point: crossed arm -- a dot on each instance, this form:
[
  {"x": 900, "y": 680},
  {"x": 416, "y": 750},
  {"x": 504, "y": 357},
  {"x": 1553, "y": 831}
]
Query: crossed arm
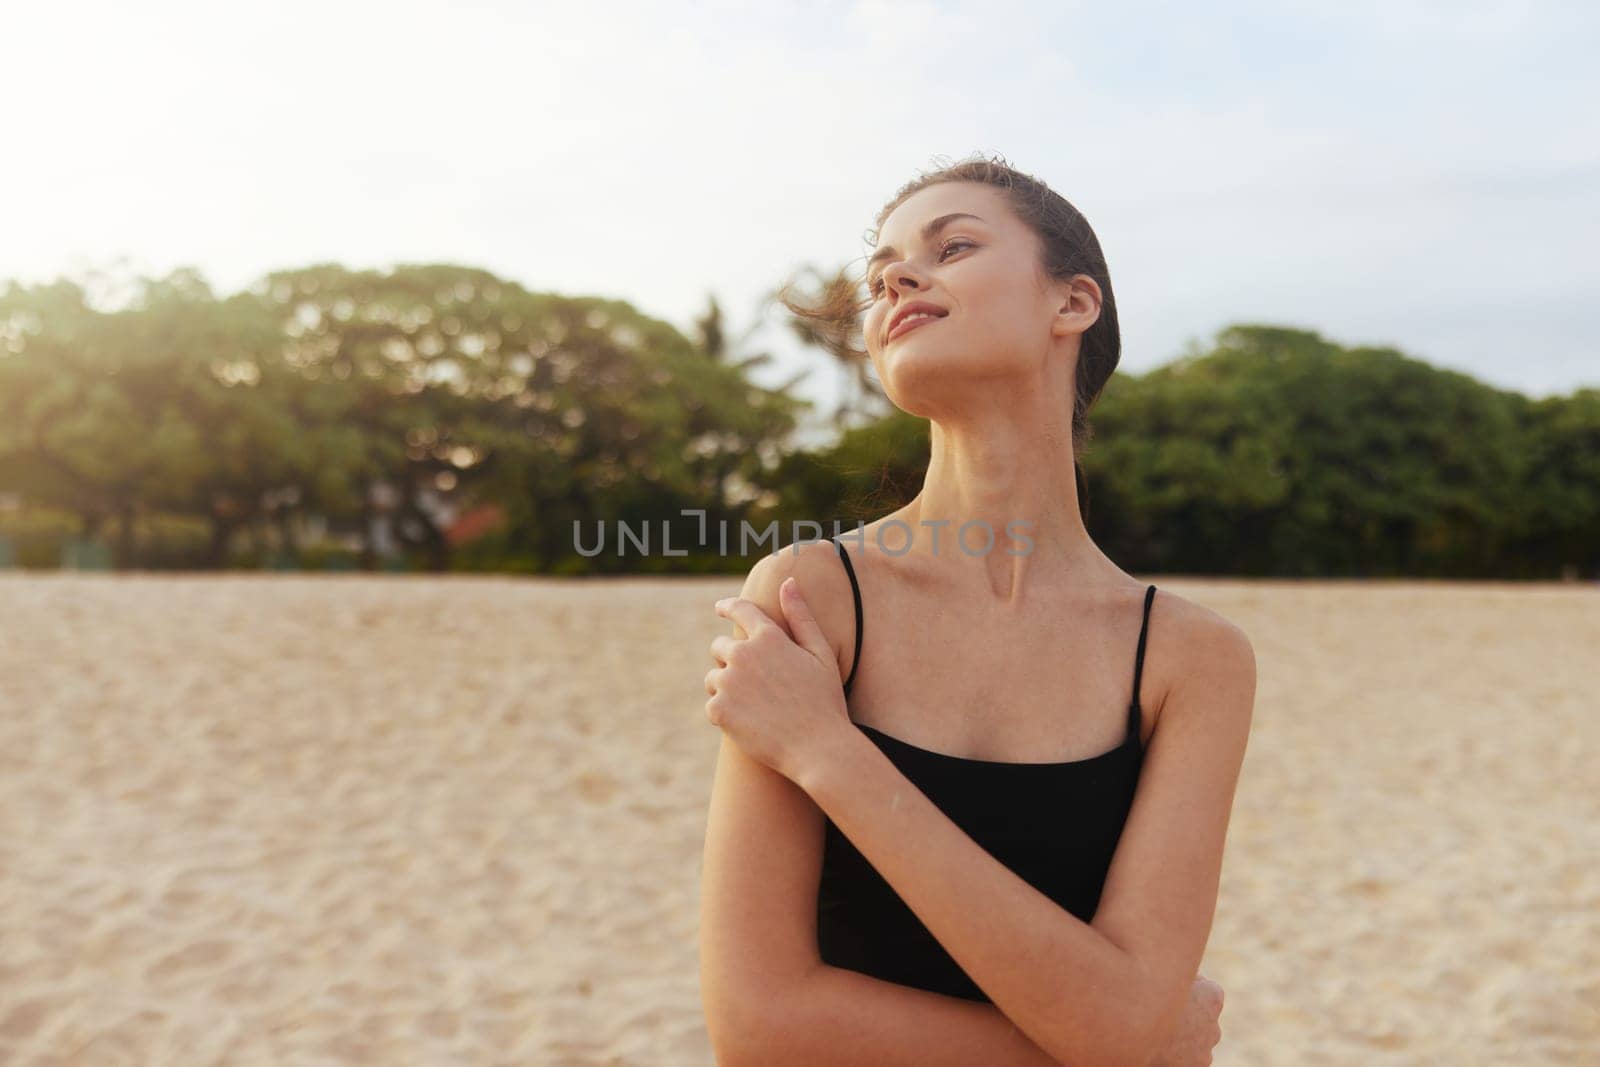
[
  {"x": 768, "y": 996},
  {"x": 1064, "y": 991}
]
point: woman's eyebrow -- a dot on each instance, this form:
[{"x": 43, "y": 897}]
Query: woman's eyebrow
[{"x": 928, "y": 233}]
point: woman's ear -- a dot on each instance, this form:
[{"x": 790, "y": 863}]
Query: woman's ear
[{"x": 1079, "y": 306}]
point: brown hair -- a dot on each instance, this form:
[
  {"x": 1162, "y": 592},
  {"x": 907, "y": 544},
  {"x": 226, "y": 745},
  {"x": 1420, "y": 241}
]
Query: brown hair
[{"x": 1068, "y": 246}]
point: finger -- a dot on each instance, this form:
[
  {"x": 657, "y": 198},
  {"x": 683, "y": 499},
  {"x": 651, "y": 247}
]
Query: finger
[
  {"x": 721, "y": 646},
  {"x": 802, "y": 623},
  {"x": 711, "y": 681},
  {"x": 747, "y": 613}
]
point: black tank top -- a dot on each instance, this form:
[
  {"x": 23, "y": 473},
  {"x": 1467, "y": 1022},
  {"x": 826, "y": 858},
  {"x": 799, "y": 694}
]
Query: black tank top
[{"x": 1055, "y": 824}]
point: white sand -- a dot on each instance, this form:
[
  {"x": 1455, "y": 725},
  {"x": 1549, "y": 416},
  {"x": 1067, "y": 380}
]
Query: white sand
[{"x": 397, "y": 820}]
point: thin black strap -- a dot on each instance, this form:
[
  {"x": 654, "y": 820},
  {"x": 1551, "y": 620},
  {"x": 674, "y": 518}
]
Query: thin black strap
[
  {"x": 855, "y": 588},
  {"x": 1138, "y": 663}
]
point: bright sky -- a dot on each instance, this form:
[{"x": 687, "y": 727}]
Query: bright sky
[{"x": 1384, "y": 171}]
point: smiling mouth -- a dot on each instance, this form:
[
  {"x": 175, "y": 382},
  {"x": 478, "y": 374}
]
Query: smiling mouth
[{"x": 903, "y": 328}]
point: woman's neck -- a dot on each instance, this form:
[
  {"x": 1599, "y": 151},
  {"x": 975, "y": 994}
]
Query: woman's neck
[{"x": 1012, "y": 478}]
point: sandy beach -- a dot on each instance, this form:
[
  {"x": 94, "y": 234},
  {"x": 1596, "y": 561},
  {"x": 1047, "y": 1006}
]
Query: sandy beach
[{"x": 358, "y": 819}]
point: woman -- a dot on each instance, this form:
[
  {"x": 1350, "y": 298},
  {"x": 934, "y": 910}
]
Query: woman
[{"x": 959, "y": 815}]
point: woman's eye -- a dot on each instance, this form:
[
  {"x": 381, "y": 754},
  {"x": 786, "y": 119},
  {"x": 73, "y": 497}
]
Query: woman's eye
[{"x": 875, "y": 286}]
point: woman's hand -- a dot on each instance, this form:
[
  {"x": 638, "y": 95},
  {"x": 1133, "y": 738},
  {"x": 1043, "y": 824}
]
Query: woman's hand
[
  {"x": 781, "y": 700},
  {"x": 1198, "y": 1029}
]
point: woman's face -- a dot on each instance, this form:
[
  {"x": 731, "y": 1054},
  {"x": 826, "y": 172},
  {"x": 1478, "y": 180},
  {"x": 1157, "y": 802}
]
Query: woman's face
[{"x": 1001, "y": 320}]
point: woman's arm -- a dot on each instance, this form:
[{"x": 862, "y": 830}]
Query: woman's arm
[
  {"x": 768, "y": 997},
  {"x": 838, "y": 1017},
  {"x": 847, "y": 1019},
  {"x": 1106, "y": 992}
]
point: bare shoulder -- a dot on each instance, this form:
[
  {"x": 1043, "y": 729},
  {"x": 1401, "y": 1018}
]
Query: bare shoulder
[
  {"x": 1198, "y": 648},
  {"x": 816, "y": 567}
]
